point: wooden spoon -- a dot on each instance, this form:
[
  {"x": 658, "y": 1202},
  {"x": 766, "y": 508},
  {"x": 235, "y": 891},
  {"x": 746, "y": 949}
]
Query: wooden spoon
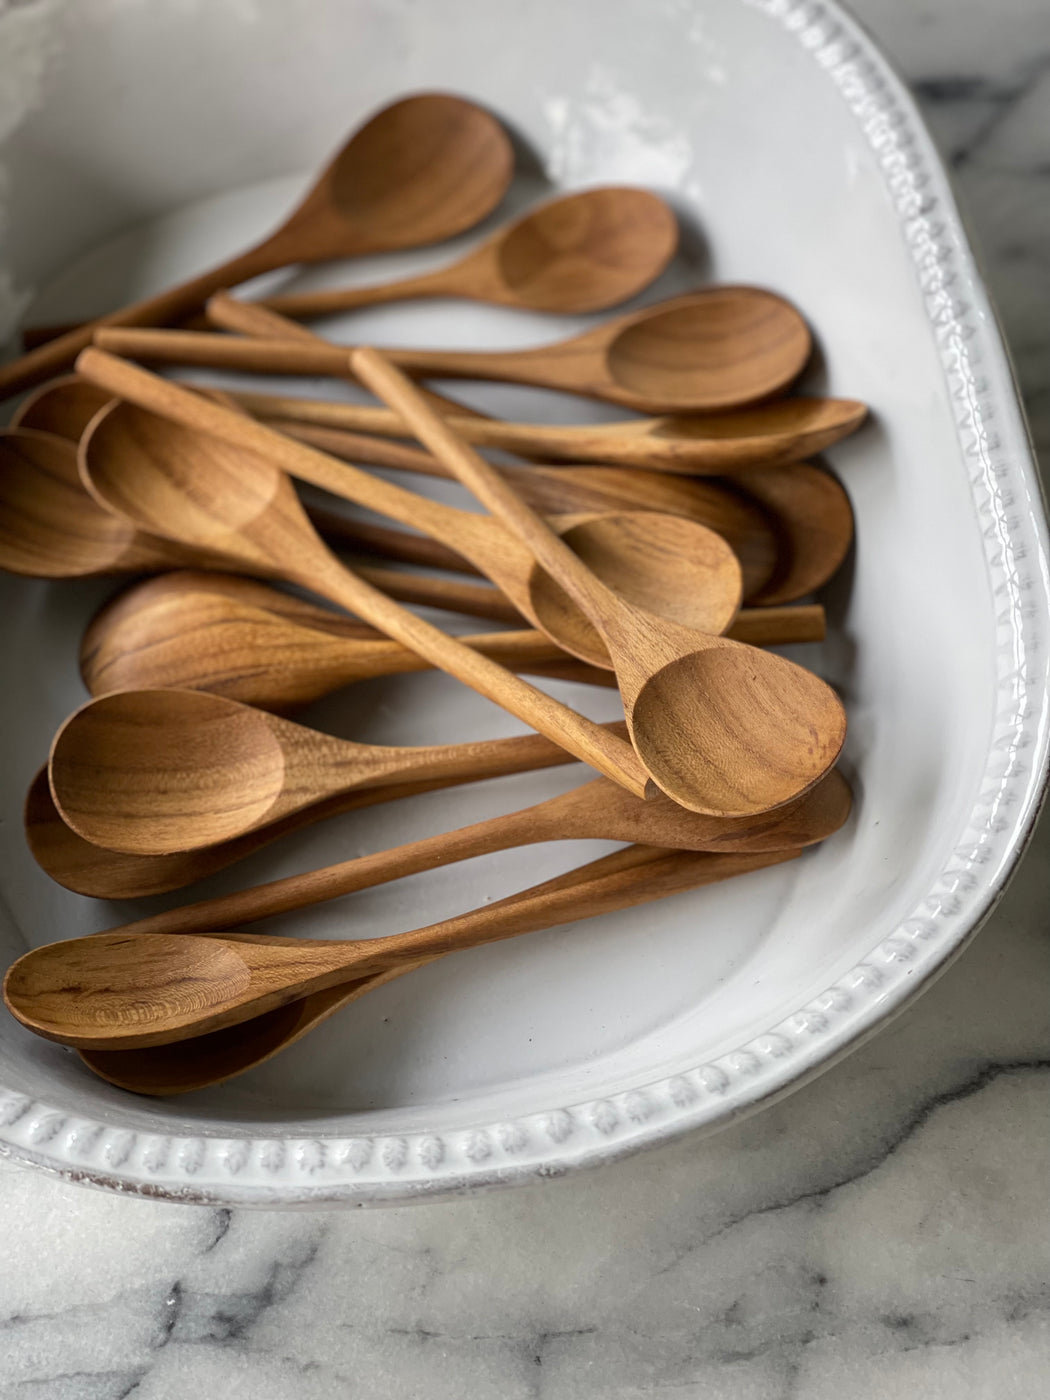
[
  {"x": 242, "y": 505},
  {"x": 153, "y": 772},
  {"x": 584, "y": 251},
  {"x": 50, "y": 527},
  {"x": 705, "y": 351},
  {"x": 672, "y": 565},
  {"x": 596, "y": 811},
  {"x": 746, "y": 527},
  {"x": 788, "y": 430},
  {"x": 722, "y": 728},
  {"x": 115, "y": 991},
  {"x": 63, "y": 406},
  {"x": 626, "y": 878},
  {"x": 91, "y": 870},
  {"x": 815, "y": 520},
  {"x": 234, "y": 637},
  {"x": 418, "y": 171},
  {"x": 261, "y": 647},
  {"x": 710, "y": 349}
]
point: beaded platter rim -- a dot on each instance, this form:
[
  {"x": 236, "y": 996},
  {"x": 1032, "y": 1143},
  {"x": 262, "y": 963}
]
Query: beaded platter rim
[{"x": 395, "y": 1168}]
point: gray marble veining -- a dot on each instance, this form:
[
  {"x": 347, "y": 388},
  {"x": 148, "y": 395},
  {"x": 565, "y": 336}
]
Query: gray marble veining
[{"x": 882, "y": 1233}]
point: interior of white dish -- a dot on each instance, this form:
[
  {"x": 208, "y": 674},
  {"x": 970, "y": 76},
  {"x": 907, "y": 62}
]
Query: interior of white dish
[{"x": 719, "y": 109}]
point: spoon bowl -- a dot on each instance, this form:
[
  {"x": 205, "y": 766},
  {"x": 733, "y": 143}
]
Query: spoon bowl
[
  {"x": 770, "y": 729},
  {"x": 134, "y": 464},
  {"x": 63, "y": 406},
  {"x": 50, "y": 527},
  {"x": 709, "y": 350}
]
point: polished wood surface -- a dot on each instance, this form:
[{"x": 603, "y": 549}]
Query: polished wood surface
[
  {"x": 229, "y": 493},
  {"x": 114, "y": 991},
  {"x": 721, "y": 727}
]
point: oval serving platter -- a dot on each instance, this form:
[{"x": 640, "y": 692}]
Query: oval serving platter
[{"x": 797, "y": 161}]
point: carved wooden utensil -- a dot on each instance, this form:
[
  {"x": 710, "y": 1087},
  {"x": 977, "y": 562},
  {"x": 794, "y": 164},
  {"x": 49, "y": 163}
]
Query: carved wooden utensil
[
  {"x": 671, "y": 565},
  {"x": 418, "y": 171},
  {"x": 721, "y": 727},
  {"x": 235, "y": 637},
  {"x": 50, "y": 527},
  {"x": 92, "y": 870},
  {"x": 241, "y": 504},
  {"x": 153, "y": 772},
  {"x": 710, "y": 444},
  {"x": 584, "y": 251},
  {"x": 121, "y": 991},
  {"x": 705, "y": 351},
  {"x": 560, "y": 490}
]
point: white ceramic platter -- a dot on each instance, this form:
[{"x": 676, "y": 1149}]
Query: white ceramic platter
[{"x": 797, "y": 161}]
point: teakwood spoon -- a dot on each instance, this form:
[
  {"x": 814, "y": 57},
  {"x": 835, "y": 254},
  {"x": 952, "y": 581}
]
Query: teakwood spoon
[
  {"x": 419, "y": 171},
  {"x": 668, "y": 563},
  {"x": 556, "y": 490},
  {"x": 92, "y": 870},
  {"x": 116, "y": 991},
  {"x": 50, "y": 527},
  {"x": 706, "y": 350},
  {"x": 721, "y": 727},
  {"x": 240, "y": 503},
  {"x": 714, "y": 444},
  {"x": 234, "y": 637},
  {"x": 154, "y": 772},
  {"x": 581, "y": 252},
  {"x": 596, "y": 811},
  {"x": 624, "y": 879}
]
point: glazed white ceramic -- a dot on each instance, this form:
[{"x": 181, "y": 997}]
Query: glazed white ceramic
[{"x": 798, "y": 162}]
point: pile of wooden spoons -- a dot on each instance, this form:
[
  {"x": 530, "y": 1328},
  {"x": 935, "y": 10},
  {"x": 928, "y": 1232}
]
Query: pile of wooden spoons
[{"x": 614, "y": 555}]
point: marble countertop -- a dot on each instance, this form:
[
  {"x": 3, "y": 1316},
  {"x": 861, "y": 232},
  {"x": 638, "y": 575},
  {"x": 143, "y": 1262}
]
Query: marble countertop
[{"x": 880, "y": 1233}]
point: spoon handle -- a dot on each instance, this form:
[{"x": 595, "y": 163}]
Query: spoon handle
[
  {"x": 485, "y": 481},
  {"x": 332, "y": 300},
  {"x": 542, "y": 822},
  {"x": 643, "y": 878},
  {"x": 323, "y": 573},
  {"x": 58, "y": 354},
  {"x": 626, "y": 878}
]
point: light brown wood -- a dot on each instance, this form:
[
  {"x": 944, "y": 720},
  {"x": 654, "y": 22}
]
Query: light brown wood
[
  {"x": 91, "y": 870},
  {"x": 815, "y": 519},
  {"x": 242, "y": 505},
  {"x": 672, "y": 565},
  {"x": 714, "y": 444},
  {"x": 261, "y": 647},
  {"x": 584, "y": 251},
  {"x": 115, "y": 991},
  {"x": 418, "y": 171},
  {"x": 51, "y": 528},
  {"x": 596, "y": 811},
  {"x": 707, "y": 351},
  {"x": 63, "y": 406},
  {"x": 721, "y": 727},
  {"x": 747, "y": 528},
  {"x": 636, "y": 874},
  {"x": 232, "y": 636},
  {"x": 711, "y": 349},
  {"x": 154, "y": 772}
]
